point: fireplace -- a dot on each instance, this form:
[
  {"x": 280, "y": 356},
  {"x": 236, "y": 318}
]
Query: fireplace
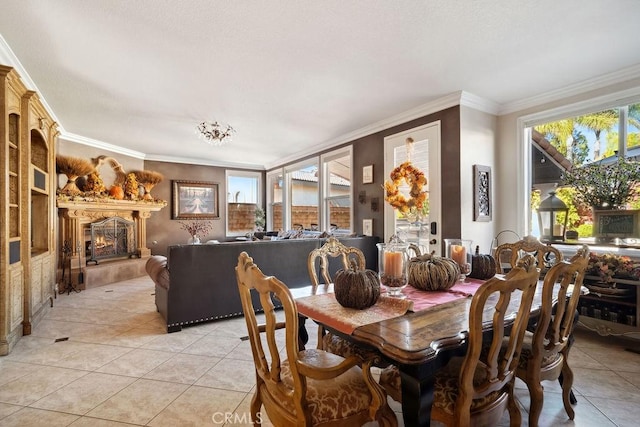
[
  {"x": 76, "y": 217},
  {"x": 113, "y": 237}
]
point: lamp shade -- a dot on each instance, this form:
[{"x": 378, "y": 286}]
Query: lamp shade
[{"x": 552, "y": 218}]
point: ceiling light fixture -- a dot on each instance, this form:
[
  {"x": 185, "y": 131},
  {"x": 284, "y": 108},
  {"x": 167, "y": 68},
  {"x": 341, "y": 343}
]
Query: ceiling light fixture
[{"x": 215, "y": 133}]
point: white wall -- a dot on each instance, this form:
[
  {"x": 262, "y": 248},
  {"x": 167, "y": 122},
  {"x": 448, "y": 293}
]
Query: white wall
[{"x": 477, "y": 147}]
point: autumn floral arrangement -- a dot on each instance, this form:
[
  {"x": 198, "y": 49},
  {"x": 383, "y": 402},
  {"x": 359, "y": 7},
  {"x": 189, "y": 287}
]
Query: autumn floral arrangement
[
  {"x": 416, "y": 181},
  {"x": 610, "y": 266},
  {"x": 196, "y": 227}
]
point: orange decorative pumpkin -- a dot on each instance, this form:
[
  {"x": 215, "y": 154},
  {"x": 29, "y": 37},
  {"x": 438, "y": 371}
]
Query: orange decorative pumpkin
[{"x": 116, "y": 192}]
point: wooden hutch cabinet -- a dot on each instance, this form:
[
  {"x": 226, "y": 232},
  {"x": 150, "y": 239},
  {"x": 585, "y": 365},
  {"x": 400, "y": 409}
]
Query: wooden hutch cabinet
[
  {"x": 609, "y": 308},
  {"x": 27, "y": 215},
  {"x": 612, "y": 308}
]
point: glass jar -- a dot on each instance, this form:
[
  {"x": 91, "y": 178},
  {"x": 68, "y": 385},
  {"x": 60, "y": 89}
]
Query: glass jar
[
  {"x": 393, "y": 262},
  {"x": 460, "y": 251}
]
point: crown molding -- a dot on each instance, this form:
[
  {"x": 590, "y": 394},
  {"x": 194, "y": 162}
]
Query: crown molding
[
  {"x": 79, "y": 139},
  {"x": 457, "y": 98},
  {"x": 9, "y": 58},
  {"x": 609, "y": 100},
  {"x": 202, "y": 162},
  {"x": 478, "y": 103},
  {"x": 595, "y": 83}
]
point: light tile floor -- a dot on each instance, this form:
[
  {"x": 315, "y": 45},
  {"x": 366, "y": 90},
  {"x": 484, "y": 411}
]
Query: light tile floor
[{"x": 119, "y": 367}]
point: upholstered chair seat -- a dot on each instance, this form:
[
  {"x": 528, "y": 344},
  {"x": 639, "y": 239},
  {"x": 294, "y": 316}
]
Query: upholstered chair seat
[
  {"x": 341, "y": 398},
  {"x": 446, "y": 388},
  {"x": 527, "y": 353},
  {"x": 391, "y": 381}
]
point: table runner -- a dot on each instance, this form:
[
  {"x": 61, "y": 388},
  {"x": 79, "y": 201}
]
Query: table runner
[
  {"x": 326, "y": 310},
  {"x": 423, "y": 300}
]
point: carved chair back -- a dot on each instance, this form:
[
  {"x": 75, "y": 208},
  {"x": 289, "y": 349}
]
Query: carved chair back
[
  {"x": 545, "y": 254},
  {"x": 319, "y": 258}
]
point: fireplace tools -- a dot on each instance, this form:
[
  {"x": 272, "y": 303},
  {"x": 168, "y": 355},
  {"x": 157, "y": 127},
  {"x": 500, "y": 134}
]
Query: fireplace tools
[
  {"x": 66, "y": 260},
  {"x": 80, "y": 273}
]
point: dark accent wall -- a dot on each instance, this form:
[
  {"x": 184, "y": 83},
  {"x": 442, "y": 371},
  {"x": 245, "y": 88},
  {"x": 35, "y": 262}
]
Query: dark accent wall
[{"x": 369, "y": 150}]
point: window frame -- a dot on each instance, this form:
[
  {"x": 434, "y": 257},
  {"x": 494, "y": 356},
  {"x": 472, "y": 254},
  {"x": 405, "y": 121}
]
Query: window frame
[
  {"x": 523, "y": 129},
  {"x": 325, "y": 197},
  {"x": 270, "y": 176},
  {"x": 287, "y": 196},
  {"x": 323, "y": 189},
  {"x": 259, "y": 189}
]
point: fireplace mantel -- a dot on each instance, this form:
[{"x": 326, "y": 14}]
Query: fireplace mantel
[
  {"x": 75, "y": 215},
  {"x": 111, "y": 204}
]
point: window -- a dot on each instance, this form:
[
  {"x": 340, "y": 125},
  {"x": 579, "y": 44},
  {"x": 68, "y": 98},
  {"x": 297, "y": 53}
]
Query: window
[
  {"x": 275, "y": 194},
  {"x": 315, "y": 194},
  {"x": 337, "y": 191},
  {"x": 243, "y": 198},
  {"x": 633, "y": 127},
  {"x": 595, "y": 137},
  {"x": 303, "y": 191}
]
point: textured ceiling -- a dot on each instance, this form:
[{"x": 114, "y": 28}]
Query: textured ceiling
[{"x": 296, "y": 76}]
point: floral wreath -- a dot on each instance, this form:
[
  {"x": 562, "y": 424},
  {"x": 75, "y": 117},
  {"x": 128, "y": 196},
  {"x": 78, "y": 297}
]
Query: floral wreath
[{"x": 416, "y": 180}]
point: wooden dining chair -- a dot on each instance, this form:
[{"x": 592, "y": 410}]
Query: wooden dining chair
[
  {"x": 546, "y": 254},
  {"x": 478, "y": 388},
  {"x": 545, "y": 352},
  {"x": 309, "y": 387},
  {"x": 318, "y": 264}
]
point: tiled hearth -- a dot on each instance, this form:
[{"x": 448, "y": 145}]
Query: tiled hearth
[
  {"x": 110, "y": 271},
  {"x": 118, "y": 367}
]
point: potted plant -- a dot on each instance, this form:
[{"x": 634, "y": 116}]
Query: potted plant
[
  {"x": 195, "y": 228},
  {"x": 605, "y": 185}
]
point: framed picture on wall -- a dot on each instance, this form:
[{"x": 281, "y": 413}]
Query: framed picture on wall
[
  {"x": 482, "y": 193},
  {"x": 367, "y": 227},
  {"x": 367, "y": 174},
  {"x": 195, "y": 200}
]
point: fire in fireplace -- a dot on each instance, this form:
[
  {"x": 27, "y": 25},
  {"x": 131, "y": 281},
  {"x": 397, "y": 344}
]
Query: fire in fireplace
[{"x": 112, "y": 238}]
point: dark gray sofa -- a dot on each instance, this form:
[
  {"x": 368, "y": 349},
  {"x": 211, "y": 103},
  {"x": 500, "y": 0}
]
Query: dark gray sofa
[{"x": 197, "y": 283}]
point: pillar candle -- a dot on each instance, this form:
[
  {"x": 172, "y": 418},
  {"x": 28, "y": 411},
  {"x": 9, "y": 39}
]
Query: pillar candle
[
  {"x": 459, "y": 254},
  {"x": 557, "y": 229},
  {"x": 393, "y": 264}
]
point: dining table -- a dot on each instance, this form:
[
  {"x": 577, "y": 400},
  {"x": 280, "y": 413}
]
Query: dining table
[{"x": 419, "y": 332}]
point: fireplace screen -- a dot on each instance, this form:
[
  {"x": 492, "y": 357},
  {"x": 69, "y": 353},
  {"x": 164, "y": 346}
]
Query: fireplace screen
[{"x": 112, "y": 238}]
